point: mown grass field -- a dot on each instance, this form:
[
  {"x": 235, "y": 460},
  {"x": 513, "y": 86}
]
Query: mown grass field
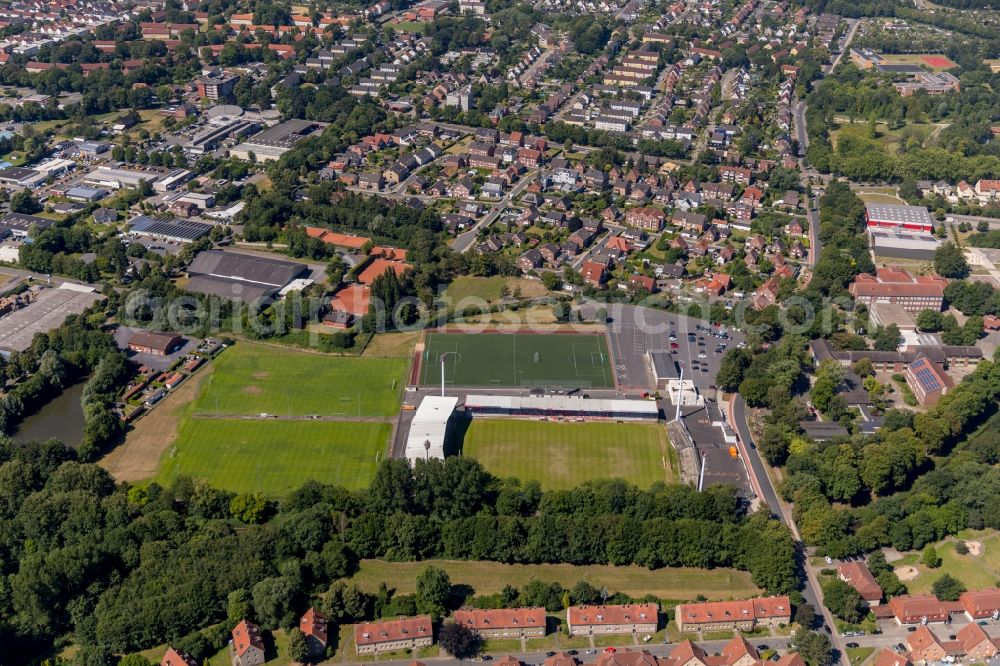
[
  {"x": 490, "y": 289},
  {"x": 564, "y": 455},
  {"x": 274, "y": 457},
  {"x": 679, "y": 583},
  {"x": 252, "y": 379},
  {"x": 975, "y": 571}
]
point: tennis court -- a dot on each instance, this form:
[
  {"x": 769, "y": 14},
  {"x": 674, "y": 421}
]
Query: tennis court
[{"x": 555, "y": 360}]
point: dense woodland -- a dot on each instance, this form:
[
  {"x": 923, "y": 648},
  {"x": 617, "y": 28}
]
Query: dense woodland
[{"x": 116, "y": 568}]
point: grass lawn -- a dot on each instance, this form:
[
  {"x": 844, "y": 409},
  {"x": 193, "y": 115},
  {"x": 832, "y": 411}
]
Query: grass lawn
[
  {"x": 251, "y": 379},
  {"x": 490, "y": 289},
  {"x": 975, "y": 571},
  {"x": 678, "y": 584},
  {"x": 890, "y": 139},
  {"x": 410, "y": 26},
  {"x": 563, "y": 455},
  {"x": 276, "y": 645},
  {"x": 875, "y": 198},
  {"x": 858, "y": 655},
  {"x": 275, "y": 457},
  {"x": 518, "y": 359},
  {"x": 392, "y": 345}
]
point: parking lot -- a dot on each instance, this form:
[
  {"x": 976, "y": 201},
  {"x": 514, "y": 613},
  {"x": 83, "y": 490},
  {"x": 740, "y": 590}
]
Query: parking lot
[{"x": 633, "y": 331}]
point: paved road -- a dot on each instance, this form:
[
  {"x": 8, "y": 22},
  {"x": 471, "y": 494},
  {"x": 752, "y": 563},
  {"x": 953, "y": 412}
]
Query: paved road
[
  {"x": 846, "y": 42},
  {"x": 811, "y": 592},
  {"x": 657, "y": 649},
  {"x": 973, "y": 219},
  {"x": 463, "y": 242}
]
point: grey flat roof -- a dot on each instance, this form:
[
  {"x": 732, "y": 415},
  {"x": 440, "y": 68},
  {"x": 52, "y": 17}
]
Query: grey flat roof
[
  {"x": 899, "y": 213},
  {"x": 243, "y": 276},
  {"x": 664, "y": 366},
  {"x": 48, "y": 311},
  {"x": 185, "y": 230}
]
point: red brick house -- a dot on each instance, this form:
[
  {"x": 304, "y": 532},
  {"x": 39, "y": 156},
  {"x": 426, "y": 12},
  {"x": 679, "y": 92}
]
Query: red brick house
[
  {"x": 858, "y": 576},
  {"x": 503, "y": 622},
  {"x": 649, "y": 219},
  {"x": 248, "y": 647},
  {"x": 314, "y": 627},
  {"x": 593, "y": 273}
]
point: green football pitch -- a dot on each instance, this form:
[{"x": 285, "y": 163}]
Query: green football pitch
[
  {"x": 517, "y": 359},
  {"x": 275, "y": 457},
  {"x": 564, "y": 455},
  {"x": 251, "y": 379}
]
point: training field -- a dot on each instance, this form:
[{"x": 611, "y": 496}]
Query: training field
[
  {"x": 517, "y": 359},
  {"x": 564, "y": 455},
  {"x": 251, "y": 379},
  {"x": 274, "y": 457}
]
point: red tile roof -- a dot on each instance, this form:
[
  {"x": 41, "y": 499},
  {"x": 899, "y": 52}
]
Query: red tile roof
[
  {"x": 972, "y": 636},
  {"x": 353, "y": 298},
  {"x": 175, "y": 658},
  {"x": 246, "y": 635},
  {"x": 912, "y": 608},
  {"x": 981, "y": 603},
  {"x": 501, "y": 618},
  {"x": 560, "y": 659},
  {"x": 738, "y": 647},
  {"x": 923, "y": 639},
  {"x": 333, "y": 238},
  {"x": 623, "y": 614},
  {"x": 386, "y": 252},
  {"x": 730, "y": 611},
  {"x": 315, "y": 625},
  {"x": 407, "y": 628},
  {"x": 887, "y": 657},
  {"x": 379, "y": 267},
  {"x": 627, "y": 658},
  {"x": 861, "y": 579}
]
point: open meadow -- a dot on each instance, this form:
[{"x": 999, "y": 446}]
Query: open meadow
[{"x": 564, "y": 455}]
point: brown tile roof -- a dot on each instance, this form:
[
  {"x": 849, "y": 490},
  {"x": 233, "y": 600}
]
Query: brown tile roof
[
  {"x": 501, "y": 618},
  {"x": 624, "y": 614},
  {"x": 245, "y": 636},
  {"x": 861, "y": 579},
  {"x": 407, "y": 628}
]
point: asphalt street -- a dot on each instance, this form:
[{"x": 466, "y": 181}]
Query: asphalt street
[{"x": 657, "y": 649}]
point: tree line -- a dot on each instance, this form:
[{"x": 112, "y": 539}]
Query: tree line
[{"x": 118, "y": 568}]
